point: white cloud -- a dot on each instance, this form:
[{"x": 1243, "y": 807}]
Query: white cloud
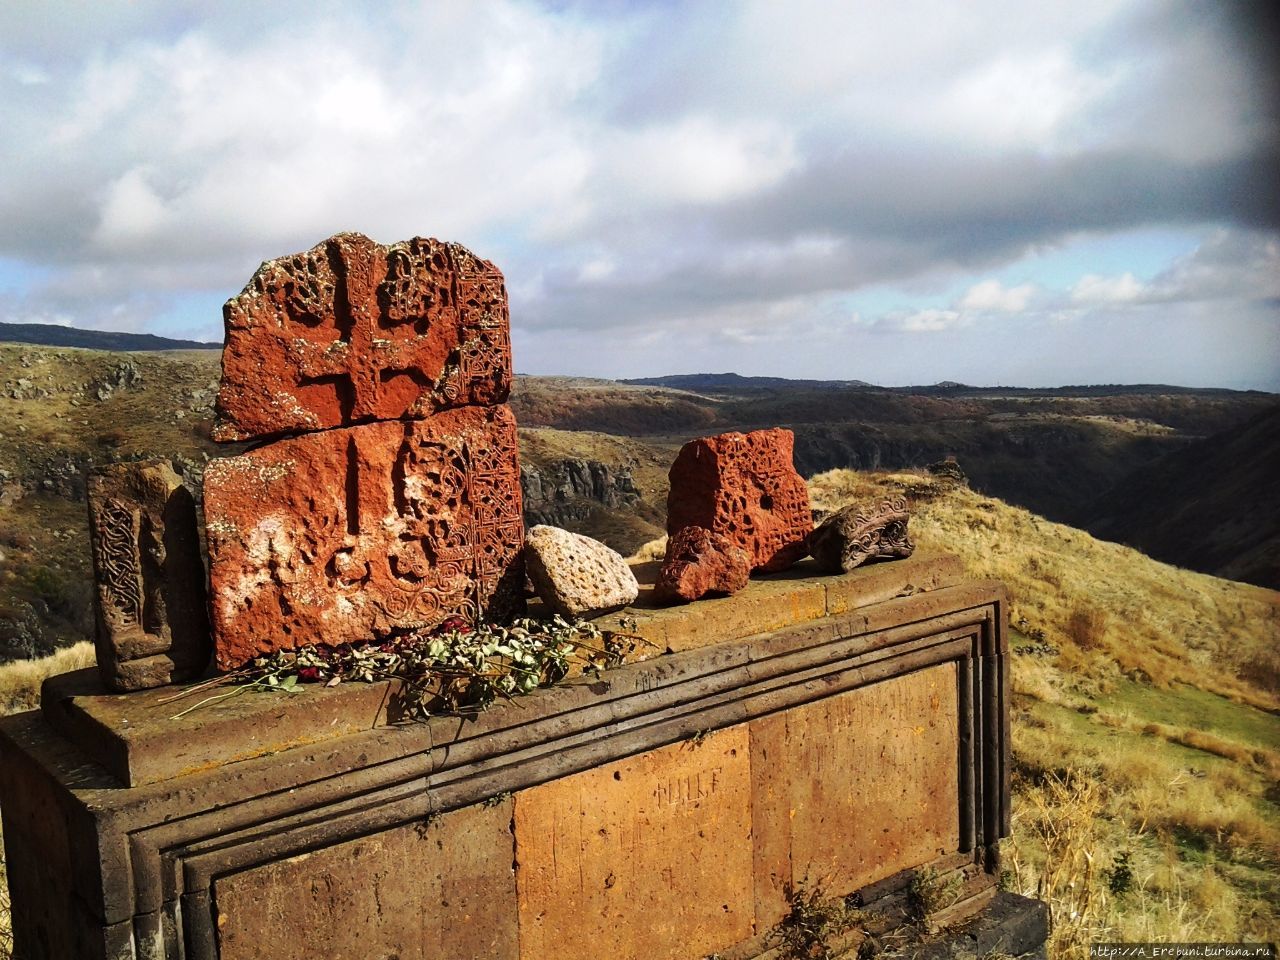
[
  {"x": 1239, "y": 265},
  {"x": 131, "y": 211},
  {"x": 1034, "y": 100},
  {"x": 930, "y": 320},
  {"x": 696, "y": 159},
  {"x": 1228, "y": 264},
  {"x": 992, "y": 295},
  {"x": 594, "y": 271},
  {"x": 754, "y": 257},
  {"x": 25, "y": 73},
  {"x": 737, "y": 169},
  {"x": 1094, "y": 289}
]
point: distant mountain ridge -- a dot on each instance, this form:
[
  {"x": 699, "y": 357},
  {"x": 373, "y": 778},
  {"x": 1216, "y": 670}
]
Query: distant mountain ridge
[
  {"x": 711, "y": 382},
  {"x": 52, "y": 335},
  {"x": 736, "y": 383}
]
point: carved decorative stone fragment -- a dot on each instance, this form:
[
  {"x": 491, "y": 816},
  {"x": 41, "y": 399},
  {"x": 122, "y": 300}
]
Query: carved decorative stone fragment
[
  {"x": 744, "y": 487},
  {"x": 359, "y": 533},
  {"x": 699, "y": 562},
  {"x": 858, "y": 533},
  {"x": 353, "y": 331},
  {"x": 151, "y": 620}
]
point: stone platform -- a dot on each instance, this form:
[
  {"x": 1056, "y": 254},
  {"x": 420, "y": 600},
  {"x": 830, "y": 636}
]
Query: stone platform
[{"x": 843, "y": 732}]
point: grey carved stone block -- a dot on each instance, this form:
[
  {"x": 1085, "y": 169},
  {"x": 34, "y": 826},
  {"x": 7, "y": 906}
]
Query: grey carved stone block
[
  {"x": 860, "y": 533},
  {"x": 150, "y": 610}
]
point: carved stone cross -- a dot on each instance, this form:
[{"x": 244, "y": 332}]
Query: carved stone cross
[
  {"x": 344, "y": 536},
  {"x": 352, "y": 331}
]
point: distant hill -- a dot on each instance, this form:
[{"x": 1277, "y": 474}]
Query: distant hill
[
  {"x": 1213, "y": 505},
  {"x": 736, "y": 384},
  {"x": 731, "y": 382},
  {"x": 50, "y": 335}
]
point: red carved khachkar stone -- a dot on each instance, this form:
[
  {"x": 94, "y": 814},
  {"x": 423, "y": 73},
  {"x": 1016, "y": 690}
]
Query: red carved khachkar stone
[
  {"x": 353, "y": 331},
  {"x": 859, "y": 533},
  {"x": 699, "y": 562},
  {"x": 152, "y": 626},
  {"x": 358, "y": 533},
  {"x": 744, "y": 487}
]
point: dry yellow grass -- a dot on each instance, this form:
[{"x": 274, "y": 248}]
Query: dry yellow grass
[
  {"x": 1131, "y": 828},
  {"x": 1107, "y": 607},
  {"x": 20, "y": 681}
]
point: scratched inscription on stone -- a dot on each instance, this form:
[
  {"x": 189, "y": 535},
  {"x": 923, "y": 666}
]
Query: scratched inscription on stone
[
  {"x": 352, "y": 331},
  {"x": 669, "y": 830},
  {"x": 353, "y": 534},
  {"x": 865, "y": 782}
]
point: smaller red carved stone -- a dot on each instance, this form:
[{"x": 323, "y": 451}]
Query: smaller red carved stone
[
  {"x": 744, "y": 487},
  {"x": 699, "y": 562}
]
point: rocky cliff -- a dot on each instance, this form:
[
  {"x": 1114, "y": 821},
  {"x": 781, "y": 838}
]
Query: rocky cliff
[{"x": 563, "y": 493}]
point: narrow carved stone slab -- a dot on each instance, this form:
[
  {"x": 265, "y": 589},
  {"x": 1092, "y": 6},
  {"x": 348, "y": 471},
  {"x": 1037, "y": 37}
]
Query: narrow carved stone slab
[
  {"x": 359, "y": 533},
  {"x": 418, "y": 892},
  {"x": 152, "y": 626},
  {"x": 744, "y": 487},
  {"x": 855, "y": 787},
  {"x": 353, "y": 331},
  {"x": 641, "y": 858}
]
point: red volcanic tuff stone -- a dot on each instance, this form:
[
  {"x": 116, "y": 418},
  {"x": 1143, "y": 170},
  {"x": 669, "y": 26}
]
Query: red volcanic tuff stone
[
  {"x": 699, "y": 562},
  {"x": 744, "y": 487},
  {"x": 359, "y": 533},
  {"x": 352, "y": 331}
]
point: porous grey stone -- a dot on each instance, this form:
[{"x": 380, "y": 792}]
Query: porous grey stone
[{"x": 577, "y": 576}]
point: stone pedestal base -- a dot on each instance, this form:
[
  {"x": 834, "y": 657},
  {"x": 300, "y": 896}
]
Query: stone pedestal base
[{"x": 842, "y": 733}]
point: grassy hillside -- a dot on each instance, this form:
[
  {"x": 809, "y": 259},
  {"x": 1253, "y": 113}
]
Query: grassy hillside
[
  {"x": 62, "y": 411},
  {"x": 1146, "y": 739},
  {"x": 50, "y": 335},
  {"x": 1053, "y": 451}
]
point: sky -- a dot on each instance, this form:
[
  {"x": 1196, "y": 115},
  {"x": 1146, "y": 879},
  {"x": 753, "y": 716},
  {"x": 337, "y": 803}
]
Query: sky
[{"x": 894, "y": 191}]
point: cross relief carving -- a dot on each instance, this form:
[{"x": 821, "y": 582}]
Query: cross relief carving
[
  {"x": 352, "y": 331},
  {"x": 388, "y": 495}
]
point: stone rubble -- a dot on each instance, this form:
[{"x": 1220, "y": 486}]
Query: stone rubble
[{"x": 699, "y": 562}]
